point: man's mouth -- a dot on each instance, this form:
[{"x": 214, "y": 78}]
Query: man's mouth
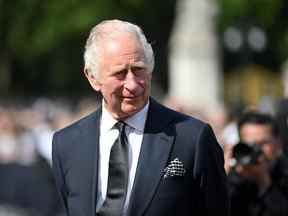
[{"x": 130, "y": 98}]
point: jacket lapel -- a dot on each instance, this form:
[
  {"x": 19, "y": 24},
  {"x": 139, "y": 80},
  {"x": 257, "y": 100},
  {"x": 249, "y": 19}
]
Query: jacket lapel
[
  {"x": 90, "y": 133},
  {"x": 155, "y": 150}
]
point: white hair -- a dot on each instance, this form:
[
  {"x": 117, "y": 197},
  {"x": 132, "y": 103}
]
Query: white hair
[{"x": 108, "y": 29}]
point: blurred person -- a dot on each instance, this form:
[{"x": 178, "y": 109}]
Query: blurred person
[
  {"x": 44, "y": 129},
  {"x": 42, "y": 126},
  {"x": 8, "y": 141},
  {"x": 26, "y": 140},
  {"x": 27, "y": 187},
  {"x": 260, "y": 129},
  {"x": 252, "y": 191},
  {"x": 282, "y": 122},
  {"x": 49, "y": 116},
  {"x": 21, "y": 182},
  {"x": 29, "y": 123},
  {"x": 230, "y": 138},
  {"x": 227, "y": 148},
  {"x": 38, "y": 122},
  {"x": 217, "y": 117},
  {"x": 86, "y": 107},
  {"x": 162, "y": 163},
  {"x": 229, "y": 134},
  {"x": 176, "y": 104},
  {"x": 282, "y": 110}
]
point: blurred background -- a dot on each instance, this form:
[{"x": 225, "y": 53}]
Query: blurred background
[
  {"x": 214, "y": 60},
  {"x": 237, "y": 47}
]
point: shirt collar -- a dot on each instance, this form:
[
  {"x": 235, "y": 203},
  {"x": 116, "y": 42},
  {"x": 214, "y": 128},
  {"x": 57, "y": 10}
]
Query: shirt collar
[
  {"x": 107, "y": 121},
  {"x": 137, "y": 121}
]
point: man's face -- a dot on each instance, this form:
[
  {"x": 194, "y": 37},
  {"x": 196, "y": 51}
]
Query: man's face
[
  {"x": 260, "y": 134},
  {"x": 124, "y": 80}
]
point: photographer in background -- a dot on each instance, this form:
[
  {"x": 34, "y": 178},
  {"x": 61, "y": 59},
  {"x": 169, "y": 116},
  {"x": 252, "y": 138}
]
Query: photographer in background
[
  {"x": 261, "y": 130},
  {"x": 282, "y": 122},
  {"x": 252, "y": 190}
]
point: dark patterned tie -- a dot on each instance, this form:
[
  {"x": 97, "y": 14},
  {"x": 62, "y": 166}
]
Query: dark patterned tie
[{"x": 117, "y": 175}]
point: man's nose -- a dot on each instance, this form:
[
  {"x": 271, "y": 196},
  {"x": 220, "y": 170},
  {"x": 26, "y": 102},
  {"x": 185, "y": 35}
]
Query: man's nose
[{"x": 131, "y": 81}]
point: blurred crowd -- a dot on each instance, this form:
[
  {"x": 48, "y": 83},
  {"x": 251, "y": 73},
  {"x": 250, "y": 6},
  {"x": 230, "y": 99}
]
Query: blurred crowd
[
  {"x": 27, "y": 186},
  {"x": 255, "y": 144}
]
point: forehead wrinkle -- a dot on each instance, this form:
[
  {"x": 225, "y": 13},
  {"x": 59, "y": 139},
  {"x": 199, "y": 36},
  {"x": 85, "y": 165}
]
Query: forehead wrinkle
[
  {"x": 120, "y": 66},
  {"x": 134, "y": 58},
  {"x": 131, "y": 58}
]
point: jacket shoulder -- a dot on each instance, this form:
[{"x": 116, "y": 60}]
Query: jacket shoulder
[
  {"x": 183, "y": 119},
  {"x": 182, "y": 123},
  {"x": 72, "y": 131}
]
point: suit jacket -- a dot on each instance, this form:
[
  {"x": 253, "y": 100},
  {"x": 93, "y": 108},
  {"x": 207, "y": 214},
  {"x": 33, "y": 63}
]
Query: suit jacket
[{"x": 167, "y": 135}]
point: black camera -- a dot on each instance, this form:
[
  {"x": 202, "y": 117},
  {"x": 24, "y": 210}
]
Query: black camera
[{"x": 245, "y": 154}]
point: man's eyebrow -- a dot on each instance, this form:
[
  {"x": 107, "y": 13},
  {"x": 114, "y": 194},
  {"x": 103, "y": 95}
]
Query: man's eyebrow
[
  {"x": 120, "y": 67},
  {"x": 139, "y": 64}
]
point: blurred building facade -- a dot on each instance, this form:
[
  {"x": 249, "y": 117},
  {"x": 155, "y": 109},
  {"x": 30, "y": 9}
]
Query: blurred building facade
[{"x": 194, "y": 59}]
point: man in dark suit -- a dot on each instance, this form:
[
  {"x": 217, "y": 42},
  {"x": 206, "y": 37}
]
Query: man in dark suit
[{"x": 166, "y": 163}]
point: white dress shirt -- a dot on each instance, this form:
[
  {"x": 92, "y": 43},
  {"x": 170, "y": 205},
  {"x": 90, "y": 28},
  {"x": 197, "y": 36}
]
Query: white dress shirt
[{"x": 134, "y": 132}]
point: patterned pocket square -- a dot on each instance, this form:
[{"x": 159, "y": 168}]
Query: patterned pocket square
[{"x": 175, "y": 168}]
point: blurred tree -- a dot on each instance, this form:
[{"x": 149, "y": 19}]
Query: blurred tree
[
  {"x": 253, "y": 35},
  {"x": 254, "y": 20},
  {"x": 265, "y": 11},
  {"x": 41, "y": 42}
]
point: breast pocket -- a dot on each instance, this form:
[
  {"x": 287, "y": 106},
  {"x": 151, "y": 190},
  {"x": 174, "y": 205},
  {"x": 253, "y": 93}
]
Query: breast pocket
[{"x": 175, "y": 186}]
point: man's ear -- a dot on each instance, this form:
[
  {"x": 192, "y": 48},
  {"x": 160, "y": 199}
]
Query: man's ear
[{"x": 92, "y": 80}]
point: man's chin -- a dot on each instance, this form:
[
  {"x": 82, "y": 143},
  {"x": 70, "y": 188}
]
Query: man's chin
[{"x": 129, "y": 110}]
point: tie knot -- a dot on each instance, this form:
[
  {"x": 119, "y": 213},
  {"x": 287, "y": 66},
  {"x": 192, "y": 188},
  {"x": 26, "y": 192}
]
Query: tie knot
[{"x": 120, "y": 125}]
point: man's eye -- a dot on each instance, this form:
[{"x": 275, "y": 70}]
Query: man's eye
[
  {"x": 138, "y": 71},
  {"x": 120, "y": 74}
]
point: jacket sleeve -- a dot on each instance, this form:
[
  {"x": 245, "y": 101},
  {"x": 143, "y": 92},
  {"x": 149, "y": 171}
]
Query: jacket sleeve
[
  {"x": 210, "y": 171},
  {"x": 58, "y": 172}
]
